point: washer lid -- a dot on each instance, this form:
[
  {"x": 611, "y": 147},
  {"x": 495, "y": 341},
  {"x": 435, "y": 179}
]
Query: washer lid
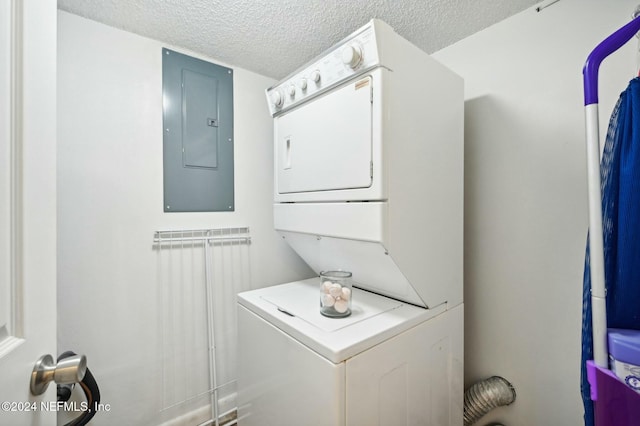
[
  {"x": 303, "y": 301},
  {"x": 294, "y": 308}
]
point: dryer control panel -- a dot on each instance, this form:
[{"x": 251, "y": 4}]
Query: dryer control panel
[{"x": 353, "y": 56}]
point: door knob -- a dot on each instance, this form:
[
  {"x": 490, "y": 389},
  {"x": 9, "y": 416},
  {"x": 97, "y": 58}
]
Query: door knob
[{"x": 66, "y": 371}]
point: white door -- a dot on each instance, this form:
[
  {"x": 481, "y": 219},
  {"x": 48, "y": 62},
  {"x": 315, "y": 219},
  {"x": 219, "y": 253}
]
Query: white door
[
  {"x": 326, "y": 144},
  {"x": 27, "y": 206}
]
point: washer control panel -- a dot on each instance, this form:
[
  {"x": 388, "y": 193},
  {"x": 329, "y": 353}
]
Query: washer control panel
[{"x": 352, "y": 56}]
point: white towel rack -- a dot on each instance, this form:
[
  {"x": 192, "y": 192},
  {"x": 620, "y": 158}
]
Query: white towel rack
[
  {"x": 213, "y": 264},
  {"x": 240, "y": 235}
]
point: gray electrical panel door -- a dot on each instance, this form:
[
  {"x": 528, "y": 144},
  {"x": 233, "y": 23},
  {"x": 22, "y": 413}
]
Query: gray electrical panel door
[{"x": 197, "y": 111}]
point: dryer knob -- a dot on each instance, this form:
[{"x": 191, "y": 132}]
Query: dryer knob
[
  {"x": 352, "y": 55},
  {"x": 292, "y": 91},
  {"x": 276, "y": 98},
  {"x": 302, "y": 84},
  {"x": 315, "y": 76}
]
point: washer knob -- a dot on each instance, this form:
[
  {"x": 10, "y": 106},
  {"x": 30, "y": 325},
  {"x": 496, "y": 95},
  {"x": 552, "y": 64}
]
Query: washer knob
[
  {"x": 292, "y": 91},
  {"x": 276, "y": 98},
  {"x": 302, "y": 84},
  {"x": 315, "y": 76},
  {"x": 352, "y": 55}
]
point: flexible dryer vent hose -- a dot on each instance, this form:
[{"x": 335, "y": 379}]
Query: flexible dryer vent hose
[{"x": 486, "y": 395}]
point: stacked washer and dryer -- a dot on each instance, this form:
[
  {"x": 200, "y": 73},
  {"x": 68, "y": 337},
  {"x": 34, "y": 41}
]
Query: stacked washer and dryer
[{"x": 368, "y": 179}]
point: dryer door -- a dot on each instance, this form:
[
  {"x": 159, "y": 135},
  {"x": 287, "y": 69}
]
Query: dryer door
[{"x": 326, "y": 145}]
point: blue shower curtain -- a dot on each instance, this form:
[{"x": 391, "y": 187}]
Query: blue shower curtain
[{"x": 620, "y": 175}]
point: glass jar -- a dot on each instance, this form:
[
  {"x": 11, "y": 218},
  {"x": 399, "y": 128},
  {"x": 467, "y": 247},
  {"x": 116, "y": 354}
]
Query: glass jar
[{"x": 335, "y": 293}]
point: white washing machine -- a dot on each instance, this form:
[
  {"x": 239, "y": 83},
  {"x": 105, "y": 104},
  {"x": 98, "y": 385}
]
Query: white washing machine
[
  {"x": 368, "y": 178},
  {"x": 388, "y": 363}
]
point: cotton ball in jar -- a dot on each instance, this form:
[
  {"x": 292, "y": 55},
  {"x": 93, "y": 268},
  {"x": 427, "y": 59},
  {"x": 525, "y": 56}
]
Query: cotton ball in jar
[
  {"x": 335, "y": 290},
  {"x": 328, "y": 300},
  {"x": 341, "y": 306},
  {"x": 345, "y": 293}
]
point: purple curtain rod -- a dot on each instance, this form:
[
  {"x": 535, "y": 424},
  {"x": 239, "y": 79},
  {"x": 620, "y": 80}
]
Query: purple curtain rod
[{"x": 612, "y": 43}]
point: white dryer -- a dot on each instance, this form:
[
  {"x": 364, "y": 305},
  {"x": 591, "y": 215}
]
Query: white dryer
[{"x": 369, "y": 179}]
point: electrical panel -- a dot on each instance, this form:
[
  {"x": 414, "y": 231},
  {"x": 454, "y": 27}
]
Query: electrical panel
[{"x": 197, "y": 106}]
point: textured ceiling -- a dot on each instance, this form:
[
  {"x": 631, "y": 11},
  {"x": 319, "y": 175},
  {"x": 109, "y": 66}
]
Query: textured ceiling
[{"x": 274, "y": 37}]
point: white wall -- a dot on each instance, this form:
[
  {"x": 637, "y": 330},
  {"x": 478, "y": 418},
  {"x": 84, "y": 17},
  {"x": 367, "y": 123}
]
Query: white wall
[
  {"x": 525, "y": 198},
  {"x": 110, "y": 204}
]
